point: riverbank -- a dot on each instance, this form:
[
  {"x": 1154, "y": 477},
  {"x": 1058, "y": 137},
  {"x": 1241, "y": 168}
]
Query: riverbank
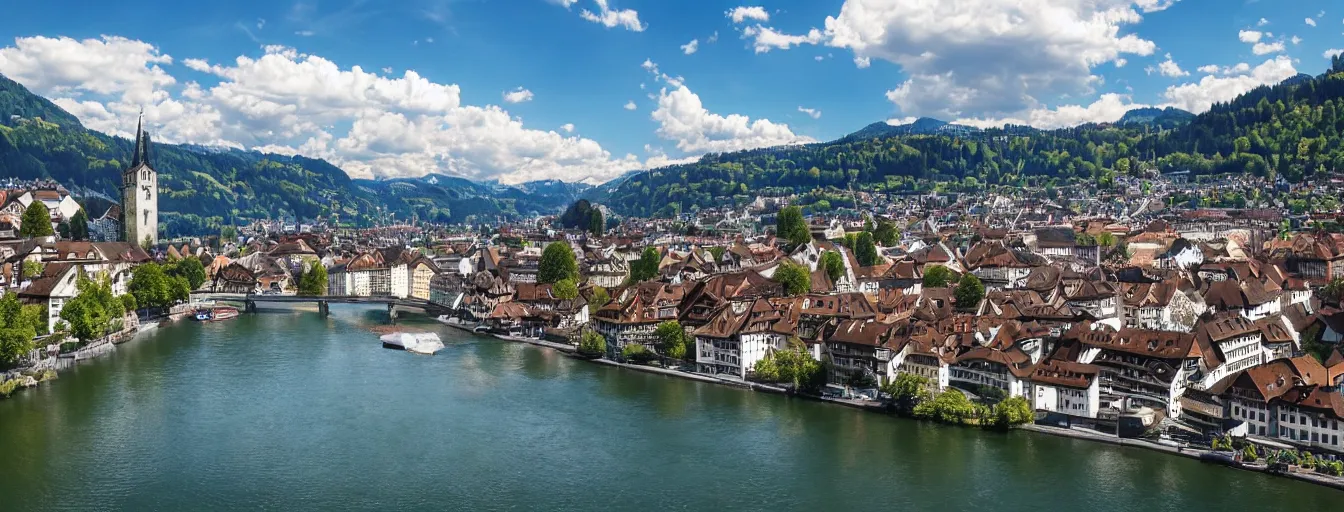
[{"x": 1190, "y": 453}]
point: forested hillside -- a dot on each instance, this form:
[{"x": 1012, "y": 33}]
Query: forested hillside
[
  {"x": 203, "y": 189},
  {"x": 1291, "y": 129}
]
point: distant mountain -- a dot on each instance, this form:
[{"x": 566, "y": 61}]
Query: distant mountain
[
  {"x": 1298, "y": 79},
  {"x": 921, "y": 126},
  {"x": 1165, "y": 118},
  {"x": 206, "y": 187}
]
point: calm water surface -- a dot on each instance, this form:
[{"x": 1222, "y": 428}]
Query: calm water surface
[{"x": 289, "y": 411}]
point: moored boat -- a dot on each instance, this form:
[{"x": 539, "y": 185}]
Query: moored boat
[
  {"x": 223, "y": 313},
  {"x": 203, "y": 315}
]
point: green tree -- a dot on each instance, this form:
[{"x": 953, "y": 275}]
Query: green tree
[
  {"x": 937, "y": 276},
  {"x": 950, "y": 406},
  {"x": 18, "y": 327},
  {"x": 717, "y": 253},
  {"x": 32, "y": 269},
  {"x": 93, "y": 311},
  {"x": 646, "y": 267},
  {"x": 636, "y": 353},
  {"x": 592, "y": 345},
  {"x": 969, "y": 291},
  {"x": 189, "y": 268},
  {"x": 596, "y": 224},
  {"x": 1013, "y": 411},
  {"x": 865, "y": 250},
  {"x": 795, "y": 278},
  {"x": 63, "y": 230},
  {"x": 671, "y": 339},
  {"x": 906, "y": 388},
  {"x": 833, "y": 264},
  {"x": 598, "y": 298},
  {"x": 36, "y": 221},
  {"x": 179, "y": 290},
  {"x": 79, "y": 225},
  {"x": 313, "y": 283},
  {"x": 885, "y": 233},
  {"x": 565, "y": 289},
  {"x": 150, "y": 286},
  {"x": 128, "y": 302},
  {"x": 557, "y": 262},
  {"x": 791, "y": 226}
]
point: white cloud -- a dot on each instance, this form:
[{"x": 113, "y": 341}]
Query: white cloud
[
  {"x": 1262, "y": 22},
  {"x": 612, "y": 18},
  {"x": 630, "y": 105},
  {"x": 713, "y": 38},
  {"x": 766, "y": 38},
  {"x": 1209, "y": 69},
  {"x": 1108, "y": 108},
  {"x": 1169, "y": 68},
  {"x": 1332, "y": 53},
  {"x": 1264, "y": 48},
  {"x": 811, "y": 112},
  {"x": 1310, "y": 22},
  {"x": 387, "y": 70},
  {"x": 567, "y": 127},
  {"x": 304, "y": 33},
  {"x": 862, "y": 62},
  {"x": 1198, "y": 97},
  {"x": 293, "y": 103},
  {"x": 1120, "y": 63},
  {"x": 564, "y": 3},
  {"x": 261, "y": 23},
  {"x": 683, "y": 118},
  {"x": 1296, "y": 40},
  {"x": 1154, "y": 5},
  {"x": 743, "y": 13},
  {"x": 989, "y": 57},
  {"x": 518, "y": 95},
  {"x": 691, "y": 47},
  {"x": 1250, "y": 36}
]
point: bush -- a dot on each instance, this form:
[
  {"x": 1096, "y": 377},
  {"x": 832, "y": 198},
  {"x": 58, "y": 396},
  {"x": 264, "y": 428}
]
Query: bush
[
  {"x": 950, "y": 406},
  {"x": 1012, "y": 412},
  {"x": 636, "y": 353},
  {"x": 7, "y": 387},
  {"x": 592, "y": 345},
  {"x": 1249, "y": 453}
]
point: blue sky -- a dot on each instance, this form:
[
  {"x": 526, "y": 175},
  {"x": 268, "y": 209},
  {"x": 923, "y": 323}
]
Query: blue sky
[{"x": 518, "y": 90}]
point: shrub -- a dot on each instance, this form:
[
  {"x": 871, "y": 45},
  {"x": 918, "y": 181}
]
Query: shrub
[
  {"x": 7, "y": 387},
  {"x": 636, "y": 353},
  {"x": 592, "y": 345}
]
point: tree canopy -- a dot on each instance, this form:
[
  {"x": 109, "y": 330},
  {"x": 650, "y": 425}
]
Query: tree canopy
[
  {"x": 646, "y": 267},
  {"x": 672, "y": 339},
  {"x": 833, "y": 263},
  {"x": 94, "y": 312},
  {"x": 36, "y": 221},
  {"x": 865, "y": 250},
  {"x": 969, "y": 291},
  {"x": 557, "y": 262},
  {"x": 937, "y": 276},
  {"x": 313, "y": 283},
  {"x": 791, "y": 226},
  {"x": 795, "y": 278},
  {"x": 565, "y": 289}
]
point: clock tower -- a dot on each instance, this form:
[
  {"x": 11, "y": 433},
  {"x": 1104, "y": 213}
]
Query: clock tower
[{"x": 140, "y": 194}]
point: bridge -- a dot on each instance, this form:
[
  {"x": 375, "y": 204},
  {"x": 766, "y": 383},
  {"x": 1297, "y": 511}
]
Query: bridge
[{"x": 250, "y": 301}]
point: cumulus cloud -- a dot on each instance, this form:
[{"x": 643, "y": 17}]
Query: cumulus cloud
[
  {"x": 1296, "y": 40},
  {"x": 1262, "y": 22},
  {"x": 289, "y": 102},
  {"x": 988, "y": 57},
  {"x": 518, "y": 95},
  {"x": 1209, "y": 69},
  {"x": 1250, "y": 36},
  {"x": 1169, "y": 68},
  {"x": 1332, "y": 53},
  {"x": 765, "y": 38},
  {"x": 1108, "y": 108},
  {"x": 691, "y": 47},
  {"x": 1198, "y": 97},
  {"x": 612, "y": 18},
  {"x": 811, "y": 112},
  {"x": 743, "y": 13},
  {"x": 1310, "y": 22},
  {"x": 682, "y": 118},
  {"x": 1266, "y": 48},
  {"x": 630, "y": 105},
  {"x": 567, "y": 127}
]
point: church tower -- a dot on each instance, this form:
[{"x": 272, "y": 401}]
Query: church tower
[{"x": 140, "y": 194}]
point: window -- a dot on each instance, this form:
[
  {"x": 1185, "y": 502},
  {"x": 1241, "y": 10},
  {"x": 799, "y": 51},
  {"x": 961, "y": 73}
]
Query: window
[{"x": 1262, "y": 418}]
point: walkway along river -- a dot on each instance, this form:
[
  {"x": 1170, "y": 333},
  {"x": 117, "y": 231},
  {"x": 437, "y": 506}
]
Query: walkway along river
[{"x": 293, "y": 411}]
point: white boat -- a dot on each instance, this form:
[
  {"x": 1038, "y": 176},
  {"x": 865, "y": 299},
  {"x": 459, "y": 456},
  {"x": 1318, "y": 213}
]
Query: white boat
[{"x": 419, "y": 343}]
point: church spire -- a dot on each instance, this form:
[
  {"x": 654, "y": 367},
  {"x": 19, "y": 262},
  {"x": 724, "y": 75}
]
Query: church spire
[{"x": 141, "y": 155}]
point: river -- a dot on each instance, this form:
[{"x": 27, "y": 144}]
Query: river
[{"x": 286, "y": 410}]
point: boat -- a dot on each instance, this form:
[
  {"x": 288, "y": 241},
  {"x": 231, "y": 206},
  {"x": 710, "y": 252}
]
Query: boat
[
  {"x": 420, "y": 343},
  {"x": 223, "y": 313},
  {"x": 204, "y": 315}
]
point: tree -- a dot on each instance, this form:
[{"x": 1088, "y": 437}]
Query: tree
[
  {"x": 646, "y": 267},
  {"x": 637, "y": 353},
  {"x": 937, "y": 276},
  {"x": 36, "y": 221},
  {"x": 906, "y": 388},
  {"x": 557, "y": 262},
  {"x": 791, "y": 226},
  {"x": 598, "y": 298},
  {"x": 150, "y": 286},
  {"x": 592, "y": 345},
  {"x": 885, "y": 233},
  {"x": 1106, "y": 239},
  {"x": 128, "y": 303},
  {"x": 63, "y": 230},
  {"x": 91, "y": 313},
  {"x": 833, "y": 264},
  {"x": 795, "y": 278},
  {"x": 596, "y": 224},
  {"x": 865, "y": 250},
  {"x": 179, "y": 290},
  {"x": 313, "y": 283},
  {"x": 950, "y": 406},
  {"x": 79, "y": 225},
  {"x": 18, "y": 327},
  {"x": 32, "y": 269},
  {"x": 969, "y": 291},
  {"x": 189, "y": 268},
  {"x": 671, "y": 339},
  {"x": 1013, "y": 411},
  {"x": 565, "y": 289}
]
